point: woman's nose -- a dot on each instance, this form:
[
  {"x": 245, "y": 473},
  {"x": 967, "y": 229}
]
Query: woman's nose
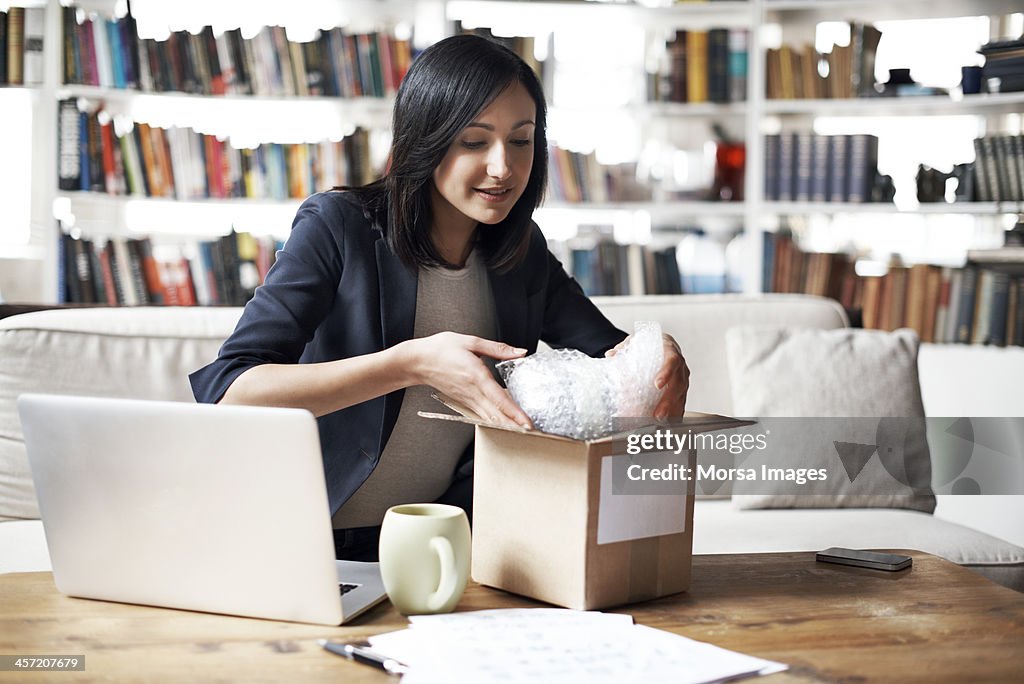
[{"x": 497, "y": 163}]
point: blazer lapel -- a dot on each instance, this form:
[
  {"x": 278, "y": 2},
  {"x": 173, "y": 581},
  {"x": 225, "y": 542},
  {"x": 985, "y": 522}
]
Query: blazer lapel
[{"x": 397, "y": 286}]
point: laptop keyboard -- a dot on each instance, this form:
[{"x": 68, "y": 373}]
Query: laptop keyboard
[{"x": 345, "y": 588}]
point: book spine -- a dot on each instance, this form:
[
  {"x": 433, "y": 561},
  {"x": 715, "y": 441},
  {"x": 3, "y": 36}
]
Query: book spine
[
  {"x": 97, "y": 176},
  {"x": 3, "y": 49},
  {"x": 772, "y": 143},
  {"x": 820, "y": 164},
  {"x": 739, "y": 40},
  {"x": 838, "y": 156},
  {"x": 965, "y": 307},
  {"x": 84, "y": 272},
  {"x": 786, "y": 167},
  {"x": 999, "y": 303},
  {"x": 804, "y": 153},
  {"x": 101, "y": 48},
  {"x": 862, "y": 167},
  {"x": 718, "y": 65},
  {"x": 15, "y": 45},
  {"x": 72, "y": 291},
  {"x": 69, "y": 162},
  {"x": 117, "y": 69},
  {"x": 696, "y": 66},
  {"x": 983, "y": 307}
]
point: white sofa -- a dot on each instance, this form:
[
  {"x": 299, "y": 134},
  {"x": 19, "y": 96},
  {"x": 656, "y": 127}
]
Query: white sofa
[{"x": 148, "y": 352}]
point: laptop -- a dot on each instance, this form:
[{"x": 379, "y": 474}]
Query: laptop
[{"x": 220, "y": 509}]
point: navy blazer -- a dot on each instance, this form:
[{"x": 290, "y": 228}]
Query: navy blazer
[{"x": 337, "y": 291}]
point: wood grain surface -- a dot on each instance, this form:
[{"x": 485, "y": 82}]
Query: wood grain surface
[{"x": 829, "y": 623}]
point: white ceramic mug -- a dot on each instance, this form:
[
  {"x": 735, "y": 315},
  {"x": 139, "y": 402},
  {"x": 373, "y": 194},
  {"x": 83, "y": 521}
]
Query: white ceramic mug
[{"x": 424, "y": 557}]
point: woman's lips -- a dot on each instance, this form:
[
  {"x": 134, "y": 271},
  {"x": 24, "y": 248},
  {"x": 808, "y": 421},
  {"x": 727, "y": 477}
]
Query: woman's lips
[{"x": 493, "y": 194}]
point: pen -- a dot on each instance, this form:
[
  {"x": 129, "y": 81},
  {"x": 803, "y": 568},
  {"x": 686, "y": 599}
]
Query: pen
[{"x": 361, "y": 654}]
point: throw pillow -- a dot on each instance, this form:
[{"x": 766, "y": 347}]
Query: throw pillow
[{"x": 859, "y": 399}]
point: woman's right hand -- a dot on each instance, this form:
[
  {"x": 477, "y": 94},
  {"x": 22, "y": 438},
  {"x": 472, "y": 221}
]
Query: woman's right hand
[{"x": 451, "y": 363}]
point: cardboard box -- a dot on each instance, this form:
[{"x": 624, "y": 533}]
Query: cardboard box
[{"x": 548, "y": 523}]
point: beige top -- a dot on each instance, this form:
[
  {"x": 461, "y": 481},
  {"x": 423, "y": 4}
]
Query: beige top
[{"x": 420, "y": 457}]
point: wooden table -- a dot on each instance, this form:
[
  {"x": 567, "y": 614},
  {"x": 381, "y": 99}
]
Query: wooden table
[{"x": 934, "y": 622}]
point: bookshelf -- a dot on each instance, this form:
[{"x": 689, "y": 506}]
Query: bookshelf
[
  {"x": 657, "y": 220},
  {"x": 941, "y": 290}
]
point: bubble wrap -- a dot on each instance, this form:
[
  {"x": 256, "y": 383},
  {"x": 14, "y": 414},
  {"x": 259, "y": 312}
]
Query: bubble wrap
[{"x": 565, "y": 392}]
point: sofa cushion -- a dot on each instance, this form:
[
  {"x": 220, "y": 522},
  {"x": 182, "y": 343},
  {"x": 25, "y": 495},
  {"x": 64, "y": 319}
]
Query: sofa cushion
[
  {"x": 844, "y": 374},
  {"x": 720, "y": 528},
  {"x": 144, "y": 353}
]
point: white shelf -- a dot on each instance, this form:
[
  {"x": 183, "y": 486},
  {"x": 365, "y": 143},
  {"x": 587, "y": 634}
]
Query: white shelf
[
  {"x": 518, "y": 17},
  {"x": 273, "y": 119},
  {"x": 161, "y": 216},
  {"x": 937, "y": 105},
  {"x": 1004, "y": 256},
  {"x": 936, "y": 209},
  {"x": 656, "y": 209},
  {"x": 807, "y": 11}
]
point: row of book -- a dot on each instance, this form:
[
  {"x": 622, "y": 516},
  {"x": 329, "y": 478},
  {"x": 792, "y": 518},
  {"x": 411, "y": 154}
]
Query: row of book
[
  {"x": 21, "y": 45},
  {"x": 130, "y": 272},
  {"x": 805, "y": 166},
  {"x": 579, "y": 177},
  {"x": 183, "y": 164},
  {"x": 704, "y": 66},
  {"x": 969, "y": 305},
  {"x": 999, "y": 168},
  {"x": 795, "y": 73},
  {"x": 110, "y": 53},
  {"x": 609, "y": 268}
]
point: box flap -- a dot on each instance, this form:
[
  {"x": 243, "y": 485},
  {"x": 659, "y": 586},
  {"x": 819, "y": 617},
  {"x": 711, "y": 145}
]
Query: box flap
[{"x": 693, "y": 421}]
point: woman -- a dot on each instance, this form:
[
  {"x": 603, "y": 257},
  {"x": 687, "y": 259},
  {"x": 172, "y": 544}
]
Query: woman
[{"x": 386, "y": 291}]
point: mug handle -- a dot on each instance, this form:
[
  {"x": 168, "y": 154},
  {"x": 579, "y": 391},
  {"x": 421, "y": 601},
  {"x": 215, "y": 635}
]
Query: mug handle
[{"x": 448, "y": 583}]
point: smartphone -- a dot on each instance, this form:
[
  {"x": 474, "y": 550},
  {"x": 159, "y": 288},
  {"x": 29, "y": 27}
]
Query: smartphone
[{"x": 865, "y": 559}]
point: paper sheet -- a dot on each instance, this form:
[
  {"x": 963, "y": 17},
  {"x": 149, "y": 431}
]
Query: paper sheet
[{"x": 557, "y": 646}]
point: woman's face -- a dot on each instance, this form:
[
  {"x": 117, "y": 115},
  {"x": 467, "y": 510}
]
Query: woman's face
[{"x": 488, "y": 164}]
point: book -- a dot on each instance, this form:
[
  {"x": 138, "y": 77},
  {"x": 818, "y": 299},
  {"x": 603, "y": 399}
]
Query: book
[
  {"x": 696, "y": 66},
  {"x": 718, "y": 65},
  {"x": 3, "y": 48},
  {"x": 864, "y": 39},
  {"x": 804, "y": 165},
  {"x": 999, "y": 305},
  {"x": 786, "y": 166},
  {"x": 984, "y": 293},
  {"x": 772, "y": 145},
  {"x": 862, "y": 155},
  {"x": 932, "y": 293},
  {"x": 820, "y": 164},
  {"x": 16, "y": 45},
  {"x": 69, "y": 159},
  {"x": 739, "y": 41},
  {"x": 838, "y": 167},
  {"x": 966, "y": 306}
]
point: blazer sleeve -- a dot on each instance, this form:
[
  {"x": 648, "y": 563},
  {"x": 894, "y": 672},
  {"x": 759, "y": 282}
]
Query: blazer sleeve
[
  {"x": 570, "y": 318},
  {"x": 287, "y": 309}
]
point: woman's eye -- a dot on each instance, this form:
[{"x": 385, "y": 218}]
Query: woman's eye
[
  {"x": 472, "y": 145},
  {"x": 521, "y": 143}
]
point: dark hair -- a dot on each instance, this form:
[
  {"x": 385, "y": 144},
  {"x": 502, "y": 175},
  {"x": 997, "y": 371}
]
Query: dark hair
[{"x": 446, "y": 87}]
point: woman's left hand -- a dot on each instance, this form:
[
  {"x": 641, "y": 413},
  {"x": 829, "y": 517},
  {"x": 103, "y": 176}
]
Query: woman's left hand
[{"x": 673, "y": 378}]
